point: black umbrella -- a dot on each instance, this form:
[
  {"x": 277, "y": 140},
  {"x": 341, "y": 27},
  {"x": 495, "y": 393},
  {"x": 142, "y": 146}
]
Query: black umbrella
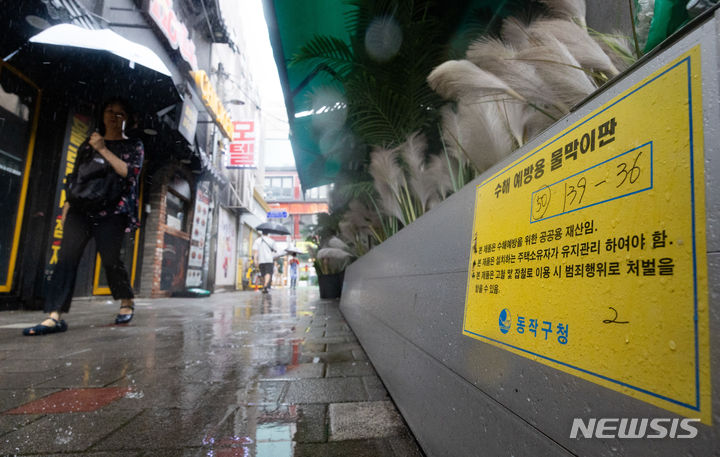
[
  {"x": 96, "y": 68},
  {"x": 272, "y": 228}
]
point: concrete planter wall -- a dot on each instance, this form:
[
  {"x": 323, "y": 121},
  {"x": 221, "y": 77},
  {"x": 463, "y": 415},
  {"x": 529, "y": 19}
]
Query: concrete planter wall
[{"x": 462, "y": 397}]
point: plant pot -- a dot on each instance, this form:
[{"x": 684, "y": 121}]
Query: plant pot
[{"x": 331, "y": 285}]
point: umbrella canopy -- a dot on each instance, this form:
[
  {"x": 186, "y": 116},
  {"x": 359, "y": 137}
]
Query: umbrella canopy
[
  {"x": 101, "y": 40},
  {"x": 294, "y": 250},
  {"x": 272, "y": 228},
  {"x": 97, "y": 64}
]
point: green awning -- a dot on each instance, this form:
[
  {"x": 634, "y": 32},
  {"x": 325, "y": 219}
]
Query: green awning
[{"x": 293, "y": 23}]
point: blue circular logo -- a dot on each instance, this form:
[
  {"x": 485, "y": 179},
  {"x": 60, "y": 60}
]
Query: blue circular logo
[{"x": 504, "y": 321}]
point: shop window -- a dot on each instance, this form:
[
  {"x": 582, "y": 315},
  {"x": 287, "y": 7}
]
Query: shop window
[
  {"x": 17, "y": 108},
  {"x": 279, "y": 188},
  {"x": 176, "y": 210}
]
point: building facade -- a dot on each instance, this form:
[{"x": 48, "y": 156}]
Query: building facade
[{"x": 50, "y": 96}]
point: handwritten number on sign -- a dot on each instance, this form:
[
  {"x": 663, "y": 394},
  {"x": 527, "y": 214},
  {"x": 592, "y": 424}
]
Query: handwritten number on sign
[
  {"x": 633, "y": 173},
  {"x": 614, "y": 319}
]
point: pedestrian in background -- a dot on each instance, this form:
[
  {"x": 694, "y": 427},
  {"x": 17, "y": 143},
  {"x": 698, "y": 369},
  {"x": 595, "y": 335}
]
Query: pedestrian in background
[
  {"x": 107, "y": 225},
  {"x": 294, "y": 266},
  {"x": 263, "y": 250}
]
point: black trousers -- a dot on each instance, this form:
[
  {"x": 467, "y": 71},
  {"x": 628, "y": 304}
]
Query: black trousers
[{"x": 108, "y": 233}]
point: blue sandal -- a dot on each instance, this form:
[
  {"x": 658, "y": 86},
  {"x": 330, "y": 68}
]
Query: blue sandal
[
  {"x": 40, "y": 329},
  {"x": 125, "y": 318}
]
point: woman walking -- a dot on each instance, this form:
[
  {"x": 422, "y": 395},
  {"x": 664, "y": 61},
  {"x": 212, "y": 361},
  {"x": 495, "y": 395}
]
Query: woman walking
[{"x": 106, "y": 225}]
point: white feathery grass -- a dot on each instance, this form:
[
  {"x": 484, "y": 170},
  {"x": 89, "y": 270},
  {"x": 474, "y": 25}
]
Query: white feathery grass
[
  {"x": 333, "y": 253},
  {"x": 535, "y": 122},
  {"x": 514, "y": 33},
  {"x": 388, "y": 178},
  {"x": 492, "y": 55},
  {"x": 385, "y": 169},
  {"x": 500, "y": 59},
  {"x": 578, "y": 41},
  {"x": 333, "y": 260},
  {"x": 464, "y": 81},
  {"x": 438, "y": 175},
  {"x": 357, "y": 237},
  {"x": 337, "y": 243},
  {"x": 362, "y": 215},
  {"x": 485, "y": 137},
  {"x": 617, "y": 47},
  {"x": 568, "y": 9},
  {"x": 348, "y": 229},
  {"x": 560, "y": 71},
  {"x": 452, "y": 134},
  {"x": 413, "y": 153},
  {"x": 390, "y": 206},
  {"x": 514, "y": 114},
  {"x": 358, "y": 224}
]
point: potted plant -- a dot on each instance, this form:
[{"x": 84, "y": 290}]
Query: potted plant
[{"x": 330, "y": 263}]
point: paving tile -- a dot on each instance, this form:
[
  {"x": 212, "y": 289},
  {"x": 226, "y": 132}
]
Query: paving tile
[
  {"x": 314, "y": 347},
  {"x": 362, "y": 448},
  {"x": 183, "y": 396},
  {"x": 272, "y": 392},
  {"x": 326, "y": 357},
  {"x": 72, "y": 401},
  {"x": 312, "y": 424},
  {"x": 345, "y": 369},
  {"x": 332, "y": 340},
  {"x": 12, "y": 398},
  {"x": 364, "y": 420},
  {"x": 23, "y": 380},
  {"x": 290, "y": 372},
  {"x": 343, "y": 347},
  {"x": 95, "y": 374},
  {"x": 12, "y": 423},
  {"x": 326, "y": 390},
  {"x": 404, "y": 445},
  {"x": 20, "y": 365},
  {"x": 101, "y": 454},
  {"x": 63, "y": 432},
  {"x": 375, "y": 388},
  {"x": 157, "y": 429}
]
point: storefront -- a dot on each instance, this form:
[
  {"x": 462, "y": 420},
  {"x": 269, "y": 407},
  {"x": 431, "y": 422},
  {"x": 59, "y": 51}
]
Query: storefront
[
  {"x": 50, "y": 99},
  {"x": 19, "y": 110}
]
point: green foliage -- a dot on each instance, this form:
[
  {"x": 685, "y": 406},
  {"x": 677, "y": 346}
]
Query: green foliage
[
  {"x": 326, "y": 228},
  {"x": 386, "y": 100}
]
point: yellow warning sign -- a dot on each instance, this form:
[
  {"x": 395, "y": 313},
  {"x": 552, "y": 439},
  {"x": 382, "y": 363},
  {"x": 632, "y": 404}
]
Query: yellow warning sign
[{"x": 588, "y": 253}]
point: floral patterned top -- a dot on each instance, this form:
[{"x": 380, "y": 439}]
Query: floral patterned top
[{"x": 132, "y": 152}]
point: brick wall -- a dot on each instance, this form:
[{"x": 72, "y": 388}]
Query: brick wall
[{"x": 155, "y": 232}]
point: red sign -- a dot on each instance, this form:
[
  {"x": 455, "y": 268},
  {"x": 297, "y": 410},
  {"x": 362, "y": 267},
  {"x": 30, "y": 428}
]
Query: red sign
[
  {"x": 242, "y": 148},
  {"x": 163, "y": 13}
]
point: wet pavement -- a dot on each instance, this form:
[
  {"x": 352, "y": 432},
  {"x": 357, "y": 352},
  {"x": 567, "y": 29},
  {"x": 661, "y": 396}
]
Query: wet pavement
[{"x": 235, "y": 374}]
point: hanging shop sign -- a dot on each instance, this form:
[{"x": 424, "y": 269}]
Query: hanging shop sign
[
  {"x": 163, "y": 14},
  {"x": 197, "y": 237},
  {"x": 613, "y": 206},
  {"x": 278, "y": 213},
  {"x": 241, "y": 153},
  {"x": 212, "y": 103},
  {"x": 188, "y": 121},
  {"x": 79, "y": 127}
]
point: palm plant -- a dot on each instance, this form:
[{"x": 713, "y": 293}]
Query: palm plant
[{"x": 387, "y": 95}]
